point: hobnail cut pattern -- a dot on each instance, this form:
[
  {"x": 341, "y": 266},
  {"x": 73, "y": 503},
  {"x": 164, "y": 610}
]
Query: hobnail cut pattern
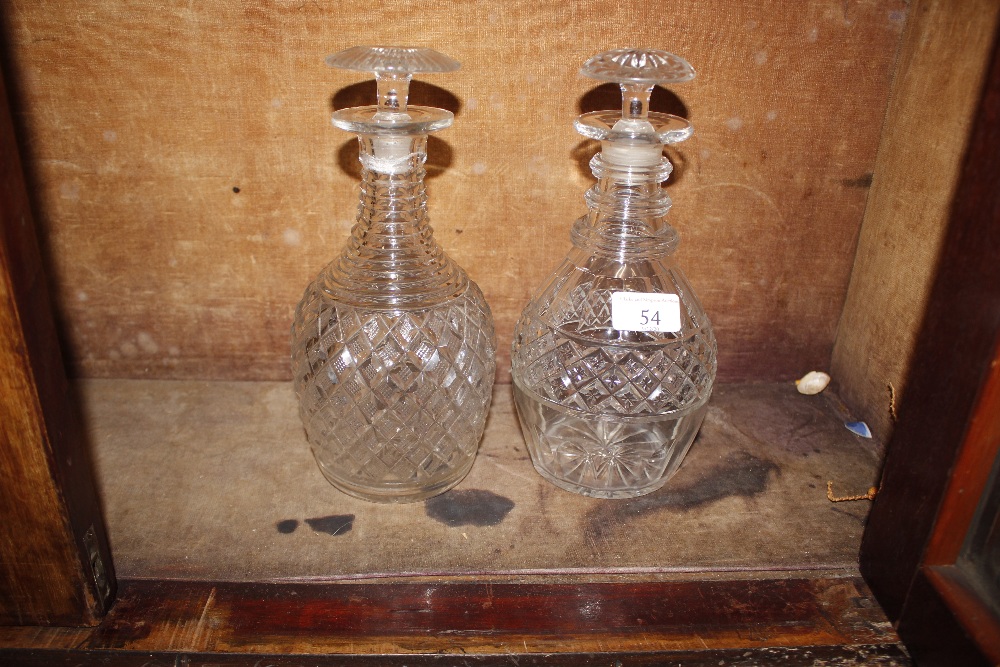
[{"x": 606, "y": 413}]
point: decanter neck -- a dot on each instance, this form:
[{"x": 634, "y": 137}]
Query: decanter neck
[
  {"x": 392, "y": 259},
  {"x": 392, "y": 204},
  {"x": 628, "y": 209}
]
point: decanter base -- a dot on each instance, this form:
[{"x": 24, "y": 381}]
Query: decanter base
[
  {"x": 605, "y": 456},
  {"x": 394, "y": 493}
]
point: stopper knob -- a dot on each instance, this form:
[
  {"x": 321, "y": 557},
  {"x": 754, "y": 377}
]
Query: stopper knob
[
  {"x": 399, "y": 59},
  {"x": 637, "y": 130},
  {"x": 394, "y": 67},
  {"x": 643, "y": 66}
]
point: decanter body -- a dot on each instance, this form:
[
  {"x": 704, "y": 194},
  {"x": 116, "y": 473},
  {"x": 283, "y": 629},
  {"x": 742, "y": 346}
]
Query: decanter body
[
  {"x": 393, "y": 348},
  {"x": 614, "y": 358}
]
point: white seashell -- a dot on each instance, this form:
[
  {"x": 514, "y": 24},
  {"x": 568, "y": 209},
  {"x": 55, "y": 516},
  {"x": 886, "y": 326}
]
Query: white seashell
[{"x": 812, "y": 383}]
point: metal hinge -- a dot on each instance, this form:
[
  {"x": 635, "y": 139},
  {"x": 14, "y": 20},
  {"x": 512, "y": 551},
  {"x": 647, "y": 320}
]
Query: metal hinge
[{"x": 97, "y": 570}]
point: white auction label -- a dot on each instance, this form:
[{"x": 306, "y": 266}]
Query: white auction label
[{"x": 641, "y": 311}]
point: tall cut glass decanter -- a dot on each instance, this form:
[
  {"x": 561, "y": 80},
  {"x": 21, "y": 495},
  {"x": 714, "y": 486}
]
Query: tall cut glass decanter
[
  {"x": 614, "y": 358},
  {"x": 393, "y": 349}
]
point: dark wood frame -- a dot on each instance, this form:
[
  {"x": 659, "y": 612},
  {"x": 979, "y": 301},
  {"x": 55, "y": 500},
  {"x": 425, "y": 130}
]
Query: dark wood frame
[
  {"x": 693, "y": 623},
  {"x": 941, "y": 454}
]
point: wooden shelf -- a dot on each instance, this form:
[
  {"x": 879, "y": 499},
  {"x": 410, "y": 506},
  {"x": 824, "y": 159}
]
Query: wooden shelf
[
  {"x": 231, "y": 548},
  {"x": 214, "y": 481}
]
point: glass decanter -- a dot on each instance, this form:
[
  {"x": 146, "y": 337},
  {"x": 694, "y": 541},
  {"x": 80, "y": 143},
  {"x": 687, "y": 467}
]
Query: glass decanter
[
  {"x": 393, "y": 348},
  {"x": 614, "y": 358}
]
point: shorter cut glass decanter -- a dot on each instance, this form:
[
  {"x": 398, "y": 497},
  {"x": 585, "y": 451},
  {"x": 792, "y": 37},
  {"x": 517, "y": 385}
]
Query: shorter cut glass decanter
[
  {"x": 614, "y": 358},
  {"x": 393, "y": 348}
]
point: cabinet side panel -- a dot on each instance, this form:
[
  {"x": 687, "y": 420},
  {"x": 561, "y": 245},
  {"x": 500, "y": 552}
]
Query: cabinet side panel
[
  {"x": 942, "y": 407},
  {"x": 47, "y": 497},
  {"x": 941, "y": 67}
]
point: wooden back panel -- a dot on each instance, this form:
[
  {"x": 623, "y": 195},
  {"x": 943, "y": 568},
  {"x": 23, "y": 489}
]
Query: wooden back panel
[{"x": 190, "y": 184}]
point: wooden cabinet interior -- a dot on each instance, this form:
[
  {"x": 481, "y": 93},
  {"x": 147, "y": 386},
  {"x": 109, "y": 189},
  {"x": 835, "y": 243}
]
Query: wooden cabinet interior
[{"x": 177, "y": 250}]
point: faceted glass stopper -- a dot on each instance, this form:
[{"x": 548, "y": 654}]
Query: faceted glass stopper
[
  {"x": 636, "y": 71},
  {"x": 401, "y": 59},
  {"x": 647, "y": 66},
  {"x": 393, "y": 67}
]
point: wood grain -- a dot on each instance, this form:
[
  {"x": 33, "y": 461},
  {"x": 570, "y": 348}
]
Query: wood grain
[
  {"x": 799, "y": 620},
  {"x": 942, "y": 62},
  {"x": 143, "y": 121},
  {"x": 47, "y": 493},
  {"x": 970, "y": 477}
]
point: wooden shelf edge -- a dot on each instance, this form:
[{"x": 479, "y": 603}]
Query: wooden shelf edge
[{"x": 696, "y": 622}]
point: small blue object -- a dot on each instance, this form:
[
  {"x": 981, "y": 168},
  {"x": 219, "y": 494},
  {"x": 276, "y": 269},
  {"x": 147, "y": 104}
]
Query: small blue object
[{"x": 859, "y": 428}]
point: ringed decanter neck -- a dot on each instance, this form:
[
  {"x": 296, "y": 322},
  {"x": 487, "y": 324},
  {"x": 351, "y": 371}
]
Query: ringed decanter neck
[
  {"x": 628, "y": 205},
  {"x": 392, "y": 260},
  {"x": 628, "y": 209}
]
